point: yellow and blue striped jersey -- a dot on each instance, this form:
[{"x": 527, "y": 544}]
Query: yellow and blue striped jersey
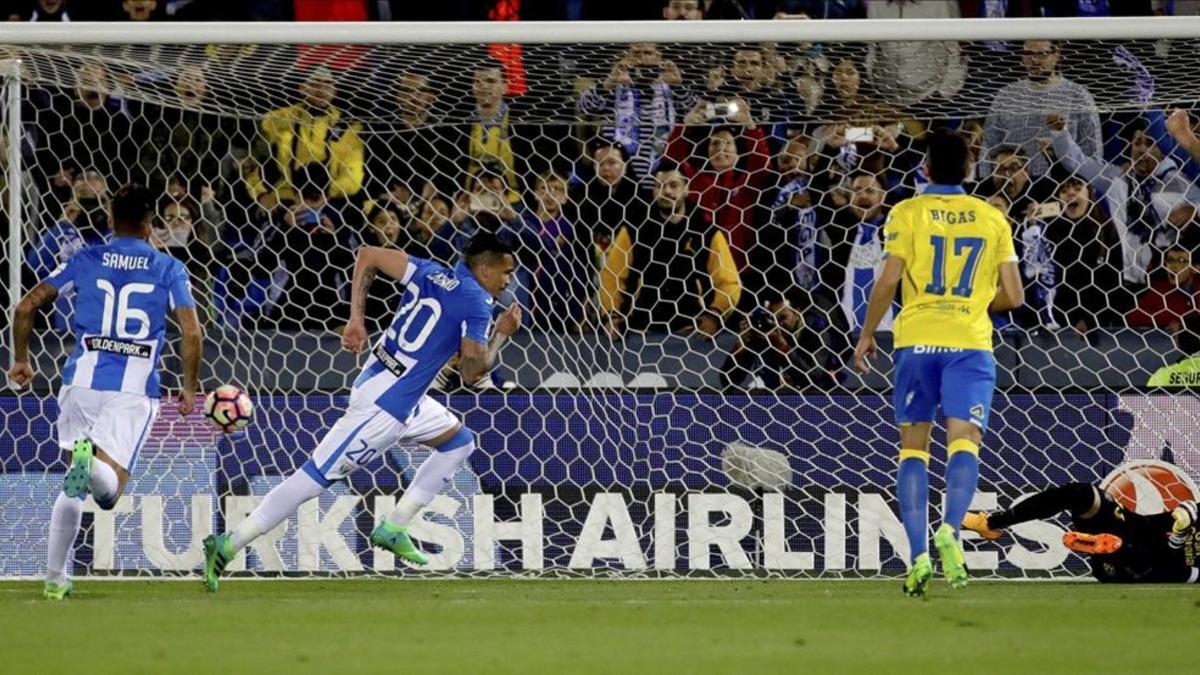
[{"x": 952, "y": 246}]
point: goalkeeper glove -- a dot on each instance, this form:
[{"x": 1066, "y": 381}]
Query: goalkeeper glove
[{"x": 1185, "y": 516}]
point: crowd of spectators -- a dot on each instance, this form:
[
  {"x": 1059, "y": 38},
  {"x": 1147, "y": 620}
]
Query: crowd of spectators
[
  {"x": 467, "y": 10},
  {"x": 740, "y": 189}
]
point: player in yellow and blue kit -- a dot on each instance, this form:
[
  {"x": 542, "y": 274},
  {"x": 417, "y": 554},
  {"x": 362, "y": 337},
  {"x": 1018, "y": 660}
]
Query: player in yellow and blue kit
[{"x": 953, "y": 255}]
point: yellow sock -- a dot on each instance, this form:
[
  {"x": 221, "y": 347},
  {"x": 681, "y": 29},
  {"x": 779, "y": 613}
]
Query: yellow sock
[
  {"x": 962, "y": 445},
  {"x": 909, "y": 453}
]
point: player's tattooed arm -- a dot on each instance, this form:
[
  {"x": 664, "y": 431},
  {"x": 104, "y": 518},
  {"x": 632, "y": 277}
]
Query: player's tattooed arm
[
  {"x": 370, "y": 261},
  {"x": 477, "y": 360},
  {"x": 20, "y": 371},
  {"x": 473, "y": 361}
]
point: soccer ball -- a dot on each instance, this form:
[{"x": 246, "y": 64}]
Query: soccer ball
[
  {"x": 228, "y": 407},
  {"x": 1149, "y": 486}
]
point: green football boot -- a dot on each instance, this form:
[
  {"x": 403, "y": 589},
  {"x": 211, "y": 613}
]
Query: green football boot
[
  {"x": 56, "y": 591},
  {"x": 954, "y": 563},
  {"x": 75, "y": 484},
  {"x": 395, "y": 538},
  {"x": 918, "y": 578},
  {"x": 217, "y": 555}
]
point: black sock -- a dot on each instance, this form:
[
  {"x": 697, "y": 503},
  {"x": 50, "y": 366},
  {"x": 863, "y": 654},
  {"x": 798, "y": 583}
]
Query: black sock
[{"x": 1078, "y": 498}]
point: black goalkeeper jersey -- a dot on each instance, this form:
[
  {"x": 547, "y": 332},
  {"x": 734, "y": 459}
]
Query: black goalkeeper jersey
[{"x": 1146, "y": 554}]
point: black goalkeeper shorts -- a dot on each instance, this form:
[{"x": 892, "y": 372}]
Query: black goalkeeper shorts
[{"x": 1144, "y": 552}]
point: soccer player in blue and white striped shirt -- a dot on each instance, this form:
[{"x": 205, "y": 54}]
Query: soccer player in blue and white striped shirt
[
  {"x": 443, "y": 312},
  {"x": 110, "y": 392}
]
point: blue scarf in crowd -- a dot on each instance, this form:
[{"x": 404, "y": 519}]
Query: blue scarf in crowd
[
  {"x": 628, "y": 121},
  {"x": 866, "y": 259},
  {"x": 1038, "y": 268},
  {"x": 803, "y": 221}
]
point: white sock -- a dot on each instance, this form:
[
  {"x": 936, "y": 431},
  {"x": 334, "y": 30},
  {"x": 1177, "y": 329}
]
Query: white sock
[
  {"x": 431, "y": 476},
  {"x": 104, "y": 482},
  {"x": 280, "y": 502},
  {"x": 64, "y": 527}
]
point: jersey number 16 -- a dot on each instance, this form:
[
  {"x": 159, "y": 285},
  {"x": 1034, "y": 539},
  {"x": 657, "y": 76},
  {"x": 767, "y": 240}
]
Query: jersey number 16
[{"x": 124, "y": 314}]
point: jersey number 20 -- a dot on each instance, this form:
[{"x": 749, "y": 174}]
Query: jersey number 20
[
  {"x": 973, "y": 247},
  {"x": 429, "y": 310}
]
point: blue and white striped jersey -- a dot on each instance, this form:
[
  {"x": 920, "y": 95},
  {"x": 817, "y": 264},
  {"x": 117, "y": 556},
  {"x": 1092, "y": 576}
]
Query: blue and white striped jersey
[
  {"x": 439, "y": 307},
  {"x": 123, "y": 290}
]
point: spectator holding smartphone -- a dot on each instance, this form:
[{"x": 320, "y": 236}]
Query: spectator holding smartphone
[
  {"x": 639, "y": 102},
  {"x": 1014, "y": 115},
  {"x": 774, "y": 349},
  {"x": 861, "y": 132},
  {"x": 1147, "y": 177},
  {"x": 1010, "y": 178},
  {"x": 749, "y": 77},
  {"x": 724, "y": 156}
]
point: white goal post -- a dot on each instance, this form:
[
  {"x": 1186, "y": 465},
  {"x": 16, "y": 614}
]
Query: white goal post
[
  {"x": 602, "y": 32},
  {"x": 619, "y": 438}
]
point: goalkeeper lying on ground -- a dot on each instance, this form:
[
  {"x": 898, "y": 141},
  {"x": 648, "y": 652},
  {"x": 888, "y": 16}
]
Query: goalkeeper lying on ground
[{"x": 1121, "y": 546}]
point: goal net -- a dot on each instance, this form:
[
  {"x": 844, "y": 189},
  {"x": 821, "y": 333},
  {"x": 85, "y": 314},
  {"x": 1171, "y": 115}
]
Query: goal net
[{"x": 698, "y": 226}]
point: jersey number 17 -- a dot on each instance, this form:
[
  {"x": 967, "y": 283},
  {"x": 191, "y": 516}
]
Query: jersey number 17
[{"x": 973, "y": 246}]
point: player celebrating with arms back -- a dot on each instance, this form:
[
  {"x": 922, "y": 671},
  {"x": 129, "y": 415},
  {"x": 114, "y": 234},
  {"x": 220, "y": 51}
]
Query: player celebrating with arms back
[
  {"x": 110, "y": 391},
  {"x": 442, "y": 312},
  {"x": 955, "y": 257}
]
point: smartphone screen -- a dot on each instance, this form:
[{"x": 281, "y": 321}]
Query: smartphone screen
[
  {"x": 860, "y": 134},
  {"x": 1049, "y": 210}
]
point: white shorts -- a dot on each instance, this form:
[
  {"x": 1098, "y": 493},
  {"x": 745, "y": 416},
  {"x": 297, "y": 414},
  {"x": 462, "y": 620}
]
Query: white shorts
[
  {"x": 366, "y": 431},
  {"x": 116, "y": 422}
]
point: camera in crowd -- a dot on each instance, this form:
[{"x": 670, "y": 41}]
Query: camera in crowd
[
  {"x": 721, "y": 111},
  {"x": 645, "y": 74},
  {"x": 777, "y": 348},
  {"x": 763, "y": 320}
]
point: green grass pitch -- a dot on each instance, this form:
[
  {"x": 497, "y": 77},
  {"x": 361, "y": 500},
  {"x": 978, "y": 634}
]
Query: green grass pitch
[{"x": 583, "y": 626}]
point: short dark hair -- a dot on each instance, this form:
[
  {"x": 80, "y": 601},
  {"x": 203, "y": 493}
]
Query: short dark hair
[
  {"x": 1130, "y": 128},
  {"x": 730, "y": 129},
  {"x": 854, "y": 175},
  {"x": 1007, "y": 149},
  {"x": 553, "y": 174},
  {"x": 602, "y": 143},
  {"x": 666, "y": 165},
  {"x": 379, "y": 210},
  {"x": 186, "y": 203},
  {"x": 493, "y": 168},
  {"x": 946, "y": 154},
  {"x": 1071, "y": 179},
  {"x": 131, "y": 206},
  {"x": 486, "y": 248},
  {"x": 442, "y": 197}
]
